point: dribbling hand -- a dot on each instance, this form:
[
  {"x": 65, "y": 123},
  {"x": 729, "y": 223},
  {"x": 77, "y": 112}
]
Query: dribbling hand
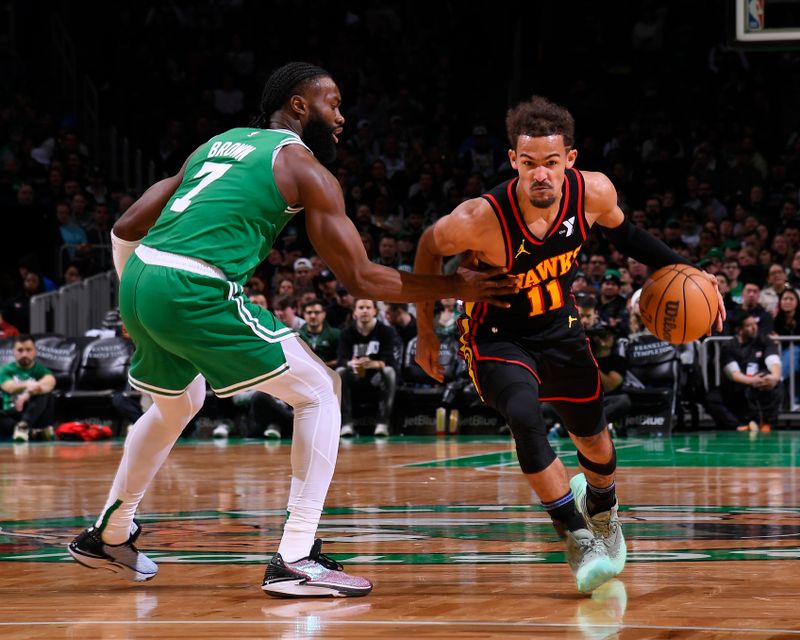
[{"x": 721, "y": 314}]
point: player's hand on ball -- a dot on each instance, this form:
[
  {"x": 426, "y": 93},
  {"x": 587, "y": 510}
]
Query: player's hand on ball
[{"x": 721, "y": 314}]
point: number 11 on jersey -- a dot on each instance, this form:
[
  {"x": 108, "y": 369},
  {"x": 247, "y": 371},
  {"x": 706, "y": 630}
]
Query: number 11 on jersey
[{"x": 536, "y": 297}]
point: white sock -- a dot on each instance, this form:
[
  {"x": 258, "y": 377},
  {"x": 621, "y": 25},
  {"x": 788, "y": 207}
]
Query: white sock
[
  {"x": 146, "y": 448},
  {"x": 314, "y": 392}
]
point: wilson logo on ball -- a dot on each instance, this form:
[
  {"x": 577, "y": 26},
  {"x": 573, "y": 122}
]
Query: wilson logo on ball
[{"x": 678, "y": 303}]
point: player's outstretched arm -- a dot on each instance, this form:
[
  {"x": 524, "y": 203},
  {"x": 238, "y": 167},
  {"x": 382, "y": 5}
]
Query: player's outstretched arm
[{"x": 337, "y": 242}]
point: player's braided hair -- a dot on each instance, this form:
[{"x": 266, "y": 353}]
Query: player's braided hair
[
  {"x": 539, "y": 117},
  {"x": 282, "y": 84}
]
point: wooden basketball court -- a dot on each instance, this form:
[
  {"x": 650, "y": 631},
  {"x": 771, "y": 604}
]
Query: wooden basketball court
[{"x": 446, "y": 528}]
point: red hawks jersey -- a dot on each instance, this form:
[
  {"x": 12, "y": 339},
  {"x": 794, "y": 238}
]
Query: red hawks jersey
[{"x": 544, "y": 267}]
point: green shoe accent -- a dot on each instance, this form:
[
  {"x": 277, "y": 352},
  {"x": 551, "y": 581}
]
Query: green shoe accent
[{"x": 604, "y": 525}]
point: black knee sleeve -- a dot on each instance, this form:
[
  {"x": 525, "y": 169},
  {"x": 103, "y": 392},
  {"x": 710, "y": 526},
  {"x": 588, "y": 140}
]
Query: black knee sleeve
[
  {"x": 606, "y": 469},
  {"x": 582, "y": 419},
  {"x": 518, "y": 402}
]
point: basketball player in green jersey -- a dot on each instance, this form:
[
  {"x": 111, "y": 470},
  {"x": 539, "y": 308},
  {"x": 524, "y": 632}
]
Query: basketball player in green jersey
[
  {"x": 535, "y": 349},
  {"x": 184, "y": 250}
]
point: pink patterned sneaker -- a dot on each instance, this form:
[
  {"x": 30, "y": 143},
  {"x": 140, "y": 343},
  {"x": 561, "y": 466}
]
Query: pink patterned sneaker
[{"x": 312, "y": 577}]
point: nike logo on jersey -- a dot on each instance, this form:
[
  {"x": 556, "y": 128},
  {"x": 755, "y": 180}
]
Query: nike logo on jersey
[
  {"x": 568, "y": 228},
  {"x": 254, "y": 133},
  {"x": 521, "y": 250}
]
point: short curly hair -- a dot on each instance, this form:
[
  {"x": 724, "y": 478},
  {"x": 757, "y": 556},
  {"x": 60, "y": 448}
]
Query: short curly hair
[{"x": 539, "y": 117}]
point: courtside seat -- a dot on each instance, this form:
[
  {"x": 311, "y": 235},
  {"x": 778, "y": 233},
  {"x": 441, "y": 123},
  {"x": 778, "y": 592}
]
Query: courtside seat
[
  {"x": 6, "y": 351},
  {"x": 62, "y": 356},
  {"x": 103, "y": 368},
  {"x": 652, "y": 382}
]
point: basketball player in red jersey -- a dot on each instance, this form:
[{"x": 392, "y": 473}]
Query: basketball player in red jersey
[{"x": 535, "y": 350}]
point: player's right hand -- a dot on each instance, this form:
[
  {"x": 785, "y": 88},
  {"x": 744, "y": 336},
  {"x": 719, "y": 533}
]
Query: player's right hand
[
  {"x": 427, "y": 355},
  {"x": 485, "y": 285}
]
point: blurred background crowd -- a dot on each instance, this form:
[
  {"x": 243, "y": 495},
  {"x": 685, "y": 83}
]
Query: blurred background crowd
[{"x": 701, "y": 140}]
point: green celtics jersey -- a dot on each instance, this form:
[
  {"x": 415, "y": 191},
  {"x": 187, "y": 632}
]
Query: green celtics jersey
[
  {"x": 12, "y": 371},
  {"x": 227, "y": 210}
]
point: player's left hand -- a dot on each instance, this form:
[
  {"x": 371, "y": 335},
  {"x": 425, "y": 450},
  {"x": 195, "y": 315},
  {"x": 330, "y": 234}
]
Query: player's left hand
[
  {"x": 721, "y": 314},
  {"x": 427, "y": 355}
]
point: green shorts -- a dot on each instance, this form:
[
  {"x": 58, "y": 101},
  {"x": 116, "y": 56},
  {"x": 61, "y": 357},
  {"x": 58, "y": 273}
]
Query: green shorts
[{"x": 184, "y": 323}]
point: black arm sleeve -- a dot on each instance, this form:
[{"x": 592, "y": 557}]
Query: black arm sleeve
[{"x": 641, "y": 246}]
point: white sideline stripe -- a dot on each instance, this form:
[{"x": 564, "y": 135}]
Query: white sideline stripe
[{"x": 410, "y": 623}]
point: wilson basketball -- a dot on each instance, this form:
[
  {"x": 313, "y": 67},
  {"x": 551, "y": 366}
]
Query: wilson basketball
[{"x": 678, "y": 303}]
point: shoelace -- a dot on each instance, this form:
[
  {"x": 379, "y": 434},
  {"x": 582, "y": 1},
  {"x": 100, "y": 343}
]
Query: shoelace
[
  {"x": 591, "y": 544},
  {"x": 327, "y": 562}
]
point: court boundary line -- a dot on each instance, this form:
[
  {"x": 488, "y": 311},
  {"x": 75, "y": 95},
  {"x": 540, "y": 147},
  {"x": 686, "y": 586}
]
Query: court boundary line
[{"x": 409, "y": 623}]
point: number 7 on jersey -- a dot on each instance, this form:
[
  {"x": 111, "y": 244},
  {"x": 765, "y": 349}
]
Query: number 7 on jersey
[{"x": 212, "y": 171}]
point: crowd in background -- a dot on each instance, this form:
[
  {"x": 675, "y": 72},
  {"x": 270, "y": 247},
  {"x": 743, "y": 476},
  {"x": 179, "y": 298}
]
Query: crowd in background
[{"x": 700, "y": 140}]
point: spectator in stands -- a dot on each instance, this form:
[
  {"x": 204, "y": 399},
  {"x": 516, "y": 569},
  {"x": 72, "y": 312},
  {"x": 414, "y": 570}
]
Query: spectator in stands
[
  {"x": 325, "y": 284},
  {"x": 79, "y": 207},
  {"x": 776, "y": 284},
  {"x": 712, "y": 261},
  {"x": 751, "y": 292},
  {"x": 72, "y": 274},
  {"x": 303, "y": 274},
  {"x": 99, "y": 235},
  {"x": 672, "y": 233},
  {"x": 70, "y": 234},
  {"x": 750, "y": 394},
  {"x": 406, "y": 248},
  {"x": 423, "y": 195},
  {"x": 367, "y": 361},
  {"x": 257, "y": 297},
  {"x": 626, "y": 283},
  {"x": 639, "y": 273},
  {"x": 596, "y": 270},
  {"x": 611, "y": 305},
  {"x": 387, "y": 251},
  {"x": 794, "y": 270},
  {"x": 27, "y": 386},
  {"x": 286, "y": 309},
  {"x": 18, "y": 308},
  {"x": 481, "y": 154},
  {"x": 580, "y": 283},
  {"x": 415, "y": 225},
  {"x": 339, "y": 312},
  {"x": 731, "y": 268},
  {"x": 612, "y": 367},
  {"x": 318, "y": 334},
  {"x": 792, "y": 234},
  {"x": 398, "y": 316},
  {"x": 748, "y": 261},
  {"x": 285, "y": 288},
  {"x": 725, "y": 291},
  {"x": 787, "y": 323}
]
